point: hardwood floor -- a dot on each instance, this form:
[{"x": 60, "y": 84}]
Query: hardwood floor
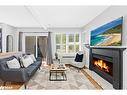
[
  {"x": 10, "y": 86},
  {"x": 98, "y": 87}
]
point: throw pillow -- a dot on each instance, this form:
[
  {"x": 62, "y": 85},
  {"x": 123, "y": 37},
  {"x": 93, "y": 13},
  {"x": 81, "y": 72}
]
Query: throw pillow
[
  {"x": 14, "y": 63},
  {"x": 79, "y": 58},
  {"x": 28, "y": 56},
  {"x": 21, "y": 62},
  {"x": 26, "y": 61},
  {"x": 32, "y": 57}
]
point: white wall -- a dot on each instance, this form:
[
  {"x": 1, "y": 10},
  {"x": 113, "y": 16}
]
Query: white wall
[
  {"x": 31, "y": 29},
  {"x": 9, "y": 30},
  {"x": 108, "y": 15},
  {"x": 85, "y": 40}
]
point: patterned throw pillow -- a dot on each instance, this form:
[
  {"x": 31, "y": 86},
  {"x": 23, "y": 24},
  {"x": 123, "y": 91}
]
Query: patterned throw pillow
[
  {"x": 26, "y": 61},
  {"x": 32, "y": 57},
  {"x": 14, "y": 63}
]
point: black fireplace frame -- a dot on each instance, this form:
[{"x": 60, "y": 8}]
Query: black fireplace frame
[{"x": 117, "y": 58}]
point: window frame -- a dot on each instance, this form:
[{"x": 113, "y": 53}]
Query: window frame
[{"x": 68, "y": 43}]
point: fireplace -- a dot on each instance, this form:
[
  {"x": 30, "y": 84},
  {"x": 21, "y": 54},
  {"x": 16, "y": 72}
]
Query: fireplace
[
  {"x": 103, "y": 65},
  {"x": 107, "y": 62}
]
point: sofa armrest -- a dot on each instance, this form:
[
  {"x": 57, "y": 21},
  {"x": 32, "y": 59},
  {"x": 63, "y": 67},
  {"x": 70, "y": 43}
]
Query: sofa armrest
[
  {"x": 15, "y": 75},
  {"x": 39, "y": 59}
]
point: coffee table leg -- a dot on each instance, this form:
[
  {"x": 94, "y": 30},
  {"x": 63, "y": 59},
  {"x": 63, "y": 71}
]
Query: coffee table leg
[
  {"x": 50, "y": 76},
  {"x": 56, "y": 75},
  {"x": 62, "y": 75},
  {"x": 65, "y": 76}
]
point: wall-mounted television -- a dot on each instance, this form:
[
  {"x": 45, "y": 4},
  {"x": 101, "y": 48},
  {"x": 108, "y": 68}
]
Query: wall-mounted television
[{"x": 109, "y": 34}]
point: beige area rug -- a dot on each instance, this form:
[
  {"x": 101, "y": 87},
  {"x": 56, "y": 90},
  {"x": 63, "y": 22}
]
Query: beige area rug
[{"x": 75, "y": 81}]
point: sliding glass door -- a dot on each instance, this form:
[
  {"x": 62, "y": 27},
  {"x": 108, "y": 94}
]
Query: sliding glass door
[
  {"x": 30, "y": 43},
  {"x": 36, "y": 45}
]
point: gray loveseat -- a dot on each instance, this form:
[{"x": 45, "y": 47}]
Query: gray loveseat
[{"x": 17, "y": 75}]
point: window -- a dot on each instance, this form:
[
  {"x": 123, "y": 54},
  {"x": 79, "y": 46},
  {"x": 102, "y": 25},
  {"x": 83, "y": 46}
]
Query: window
[
  {"x": 58, "y": 39},
  {"x": 58, "y": 48},
  {"x": 71, "y": 48},
  {"x": 63, "y": 48},
  {"x": 63, "y": 38},
  {"x": 76, "y": 48},
  {"x": 61, "y": 42},
  {"x": 77, "y": 38},
  {"x": 67, "y": 43},
  {"x": 71, "y": 38}
]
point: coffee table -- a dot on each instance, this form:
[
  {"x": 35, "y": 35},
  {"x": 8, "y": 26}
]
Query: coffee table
[{"x": 57, "y": 72}]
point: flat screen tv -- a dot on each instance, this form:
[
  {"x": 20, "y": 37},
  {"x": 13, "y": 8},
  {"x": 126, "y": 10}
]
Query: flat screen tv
[{"x": 109, "y": 34}]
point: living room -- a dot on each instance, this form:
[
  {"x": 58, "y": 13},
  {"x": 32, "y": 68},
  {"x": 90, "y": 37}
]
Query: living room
[{"x": 57, "y": 39}]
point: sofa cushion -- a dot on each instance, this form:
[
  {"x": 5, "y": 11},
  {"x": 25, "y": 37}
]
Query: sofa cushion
[
  {"x": 37, "y": 63},
  {"x": 31, "y": 69},
  {"x": 14, "y": 63}
]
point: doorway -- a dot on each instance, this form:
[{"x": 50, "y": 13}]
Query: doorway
[
  {"x": 36, "y": 45},
  {"x": 9, "y": 43}
]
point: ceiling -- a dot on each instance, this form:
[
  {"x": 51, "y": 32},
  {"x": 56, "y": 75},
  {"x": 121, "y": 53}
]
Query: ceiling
[{"x": 49, "y": 16}]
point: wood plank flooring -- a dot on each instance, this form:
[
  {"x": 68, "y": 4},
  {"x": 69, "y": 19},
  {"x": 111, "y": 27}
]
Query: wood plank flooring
[{"x": 98, "y": 87}]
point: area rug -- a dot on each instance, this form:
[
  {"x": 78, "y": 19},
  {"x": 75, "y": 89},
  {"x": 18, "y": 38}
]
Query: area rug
[{"x": 75, "y": 81}]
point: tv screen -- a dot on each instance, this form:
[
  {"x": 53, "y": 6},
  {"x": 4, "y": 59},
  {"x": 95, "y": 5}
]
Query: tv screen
[{"x": 108, "y": 34}]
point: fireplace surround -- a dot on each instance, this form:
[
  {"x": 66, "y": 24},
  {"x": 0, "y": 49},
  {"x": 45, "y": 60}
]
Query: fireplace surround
[{"x": 108, "y": 63}]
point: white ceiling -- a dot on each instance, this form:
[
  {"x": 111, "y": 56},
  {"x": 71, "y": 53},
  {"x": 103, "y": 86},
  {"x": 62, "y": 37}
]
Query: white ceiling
[{"x": 49, "y": 16}]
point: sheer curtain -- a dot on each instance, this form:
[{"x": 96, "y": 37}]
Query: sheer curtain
[{"x": 49, "y": 49}]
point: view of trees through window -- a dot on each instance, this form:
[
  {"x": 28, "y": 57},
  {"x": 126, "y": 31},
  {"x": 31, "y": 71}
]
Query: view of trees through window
[{"x": 67, "y": 43}]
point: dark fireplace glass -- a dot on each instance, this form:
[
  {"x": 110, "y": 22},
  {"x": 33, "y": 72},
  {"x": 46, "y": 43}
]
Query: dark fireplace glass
[{"x": 103, "y": 65}]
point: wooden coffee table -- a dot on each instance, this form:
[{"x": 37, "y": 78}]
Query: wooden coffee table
[{"x": 57, "y": 72}]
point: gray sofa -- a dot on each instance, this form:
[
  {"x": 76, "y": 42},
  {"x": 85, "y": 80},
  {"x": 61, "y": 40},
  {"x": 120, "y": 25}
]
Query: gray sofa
[{"x": 17, "y": 75}]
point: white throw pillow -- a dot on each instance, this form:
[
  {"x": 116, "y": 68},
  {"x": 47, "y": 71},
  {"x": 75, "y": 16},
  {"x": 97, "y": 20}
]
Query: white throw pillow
[
  {"x": 32, "y": 57},
  {"x": 27, "y": 61},
  {"x": 14, "y": 63}
]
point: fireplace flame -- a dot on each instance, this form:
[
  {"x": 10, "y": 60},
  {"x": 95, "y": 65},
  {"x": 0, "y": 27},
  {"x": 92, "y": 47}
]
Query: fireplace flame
[{"x": 102, "y": 65}]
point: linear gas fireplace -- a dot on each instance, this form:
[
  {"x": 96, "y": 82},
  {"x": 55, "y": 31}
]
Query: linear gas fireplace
[
  {"x": 103, "y": 65},
  {"x": 107, "y": 62}
]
